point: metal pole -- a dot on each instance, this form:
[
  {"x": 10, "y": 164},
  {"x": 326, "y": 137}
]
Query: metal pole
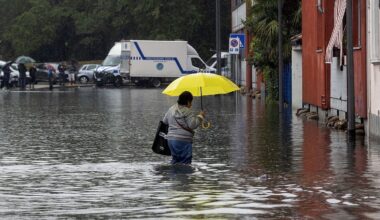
[
  {"x": 350, "y": 72},
  {"x": 218, "y": 55},
  {"x": 280, "y": 57},
  {"x": 248, "y": 74}
]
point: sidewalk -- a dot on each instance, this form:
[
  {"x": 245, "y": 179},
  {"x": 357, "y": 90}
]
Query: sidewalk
[{"x": 45, "y": 86}]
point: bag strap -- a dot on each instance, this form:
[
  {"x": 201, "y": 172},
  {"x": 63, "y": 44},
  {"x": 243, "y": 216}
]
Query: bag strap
[{"x": 187, "y": 129}]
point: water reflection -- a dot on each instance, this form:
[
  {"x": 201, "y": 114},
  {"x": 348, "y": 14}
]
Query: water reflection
[{"x": 85, "y": 153}]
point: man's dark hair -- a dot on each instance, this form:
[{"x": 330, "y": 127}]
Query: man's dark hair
[{"x": 185, "y": 98}]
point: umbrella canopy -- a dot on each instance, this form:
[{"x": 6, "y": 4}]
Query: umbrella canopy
[
  {"x": 24, "y": 59},
  {"x": 201, "y": 84}
]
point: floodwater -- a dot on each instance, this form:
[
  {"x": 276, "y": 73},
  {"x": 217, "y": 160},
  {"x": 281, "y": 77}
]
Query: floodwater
[{"x": 86, "y": 154}]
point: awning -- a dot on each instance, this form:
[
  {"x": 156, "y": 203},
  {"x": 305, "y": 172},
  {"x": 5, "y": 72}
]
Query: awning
[{"x": 336, "y": 39}]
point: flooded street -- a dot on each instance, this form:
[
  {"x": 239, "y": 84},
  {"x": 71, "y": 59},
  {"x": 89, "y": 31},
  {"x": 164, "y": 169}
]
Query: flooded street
[{"x": 86, "y": 154}]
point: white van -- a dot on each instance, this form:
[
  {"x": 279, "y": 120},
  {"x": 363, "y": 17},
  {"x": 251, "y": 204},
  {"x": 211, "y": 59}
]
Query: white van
[
  {"x": 225, "y": 63},
  {"x": 110, "y": 65},
  {"x": 150, "y": 62},
  {"x": 153, "y": 62}
]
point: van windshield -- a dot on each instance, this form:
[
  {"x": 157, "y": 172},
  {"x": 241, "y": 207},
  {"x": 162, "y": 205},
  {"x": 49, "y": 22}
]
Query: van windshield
[
  {"x": 111, "y": 60},
  {"x": 211, "y": 61}
]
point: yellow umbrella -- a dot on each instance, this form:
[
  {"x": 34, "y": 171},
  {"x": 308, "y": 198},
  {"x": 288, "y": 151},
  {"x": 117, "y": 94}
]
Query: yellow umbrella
[{"x": 201, "y": 84}]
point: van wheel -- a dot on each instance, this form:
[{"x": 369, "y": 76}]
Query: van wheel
[{"x": 156, "y": 83}]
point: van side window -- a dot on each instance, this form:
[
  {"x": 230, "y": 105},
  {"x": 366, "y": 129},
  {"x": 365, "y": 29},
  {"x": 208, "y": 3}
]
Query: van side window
[{"x": 198, "y": 63}]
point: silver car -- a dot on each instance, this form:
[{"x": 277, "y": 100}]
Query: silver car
[{"x": 86, "y": 73}]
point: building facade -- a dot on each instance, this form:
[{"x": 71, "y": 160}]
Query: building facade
[
  {"x": 324, "y": 79},
  {"x": 242, "y": 72},
  {"x": 317, "y": 26},
  {"x": 373, "y": 68}
]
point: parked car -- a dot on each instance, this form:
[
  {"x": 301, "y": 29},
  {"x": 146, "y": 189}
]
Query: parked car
[
  {"x": 86, "y": 73},
  {"x": 42, "y": 72},
  {"x": 14, "y": 74}
]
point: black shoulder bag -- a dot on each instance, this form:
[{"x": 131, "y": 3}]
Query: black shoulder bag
[{"x": 160, "y": 144}]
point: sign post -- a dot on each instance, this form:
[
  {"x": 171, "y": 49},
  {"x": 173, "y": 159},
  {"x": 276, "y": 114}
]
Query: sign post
[
  {"x": 241, "y": 39},
  {"x": 234, "y": 46},
  {"x": 236, "y": 42}
]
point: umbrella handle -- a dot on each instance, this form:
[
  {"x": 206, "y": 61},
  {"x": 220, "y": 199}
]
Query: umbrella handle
[
  {"x": 206, "y": 124},
  {"x": 200, "y": 88}
]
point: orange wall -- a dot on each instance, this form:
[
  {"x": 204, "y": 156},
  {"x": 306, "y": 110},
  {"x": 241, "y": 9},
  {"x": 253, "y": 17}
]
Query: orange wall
[
  {"x": 360, "y": 60},
  {"x": 316, "y": 31}
]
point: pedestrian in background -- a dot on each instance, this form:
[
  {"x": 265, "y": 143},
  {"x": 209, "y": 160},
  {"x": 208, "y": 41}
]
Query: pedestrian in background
[
  {"x": 50, "y": 76},
  {"x": 7, "y": 74},
  {"x": 182, "y": 123},
  {"x": 62, "y": 75},
  {"x": 22, "y": 75},
  {"x": 72, "y": 71},
  {"x": 32, "y": 74}
]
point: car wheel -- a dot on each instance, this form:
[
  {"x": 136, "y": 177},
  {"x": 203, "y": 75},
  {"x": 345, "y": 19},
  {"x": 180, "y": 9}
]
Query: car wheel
[
  {"x": 156, "y": 83},
  {"x": 83, "y": 80}
]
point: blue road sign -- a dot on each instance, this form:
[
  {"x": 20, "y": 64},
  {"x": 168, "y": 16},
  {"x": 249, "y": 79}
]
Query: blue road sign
[{"x": 241, "y": 38}]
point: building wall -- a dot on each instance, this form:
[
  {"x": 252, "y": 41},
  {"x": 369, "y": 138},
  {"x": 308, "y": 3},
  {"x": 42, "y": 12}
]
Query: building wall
[
  {"x": 373, "y": 67},
  {"x": 338, "y": 86},
  {"x": 254, "y": 78},
  {"x": 374, "y": 61},
  {"x": 375, "y": 89},
  {"x": 360, "y": 57},
  {"x": 373, "y": 31},
  {"x": 238, "y": 16},
  {"x": 242, "y": 77},
  {"x": 297, "y": 77},
  {"x": 316, "y": 31},
  {"x": 374, "y": 109},
  {"x": 318, "y": 83},
  {"x": 338, "y": 99}
]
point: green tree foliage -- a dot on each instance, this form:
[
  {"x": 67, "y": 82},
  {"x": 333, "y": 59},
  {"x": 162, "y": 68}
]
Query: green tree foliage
[
  {"x": 263, "y": 23},
  {"x": 52, "y": 30}
]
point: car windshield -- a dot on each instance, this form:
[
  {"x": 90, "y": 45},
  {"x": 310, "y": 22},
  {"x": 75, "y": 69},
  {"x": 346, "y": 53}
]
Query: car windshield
[
  {"x": 211, "y": 61},
  {"x": 111, "y": 60}
]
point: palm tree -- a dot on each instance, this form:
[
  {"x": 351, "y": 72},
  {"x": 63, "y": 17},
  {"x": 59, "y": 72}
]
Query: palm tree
[{"x": 263, "y": 24}]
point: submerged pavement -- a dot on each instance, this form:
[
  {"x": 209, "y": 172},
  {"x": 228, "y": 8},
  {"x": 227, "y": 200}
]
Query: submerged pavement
[{"x": 85, "y": 153}]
